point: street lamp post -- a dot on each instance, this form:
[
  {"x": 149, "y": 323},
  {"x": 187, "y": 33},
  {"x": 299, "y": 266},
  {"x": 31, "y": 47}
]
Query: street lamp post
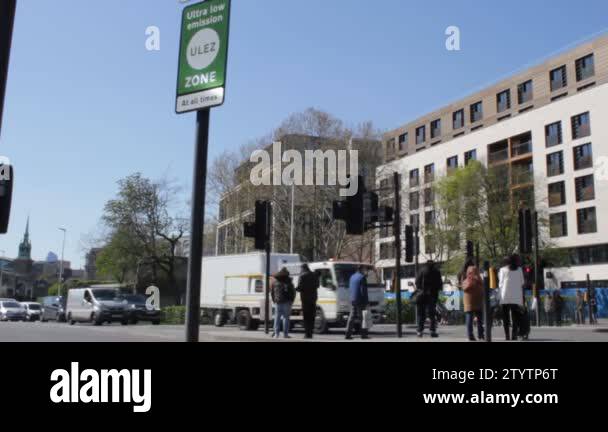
[{"x": 61, "y": 262}]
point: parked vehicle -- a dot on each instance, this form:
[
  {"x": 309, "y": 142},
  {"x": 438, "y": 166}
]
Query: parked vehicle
[
  {"x": 138, "y": 311},
  {"x": 233, "y": 290},
  {"x": 96, "y": 306},
  {"x": 32, "y": 311},
  {"x": 11, "y": 311},
  {"x": 53, "y": 309}
]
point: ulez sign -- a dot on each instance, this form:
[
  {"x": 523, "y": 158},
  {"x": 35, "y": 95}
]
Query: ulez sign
[{"x": 203, "y": 56}]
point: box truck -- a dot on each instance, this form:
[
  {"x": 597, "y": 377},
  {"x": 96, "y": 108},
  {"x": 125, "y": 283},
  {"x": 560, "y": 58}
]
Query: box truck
[{"x": 233, "y": 290}]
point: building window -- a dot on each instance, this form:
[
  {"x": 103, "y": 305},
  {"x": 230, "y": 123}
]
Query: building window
[
  {"x": 429, "y": 197},
  {"x": 525, "y": 92},
  {"x": 553, "y": 134},
  {"x": 581, "y": 126},
  {"x": 585, "y": 189},
  {"x": 583, "y": 157},
  {"x": 585, "y": 67},
  {"x": 555, "y": 164},
  {"x": 403, "y": 142},
  {"x": 387, "y": 251},
  {"x": 587, "y": 222},
  {"x": 470, "y": 157},
  {"x": 558, "y": 225},
  {"x": 458, "y": 120},
  {"x": 559, "y": 78},
  {"x": 414, "y": 201},
  {"x": 429, "y": 173},
  {"x": 415, "y": 220},
  {"x": 429, "y": 218},
  {"x": 452, "y": 164},
  {"x": 435, "y": 129},
  {"x": 557, "y": 194},
  {"x": 503, "y": 101},
  {"x": 420, "y": 135},
  {"x": 414, "y": 178},
  {"x": 476, "y": 112}
]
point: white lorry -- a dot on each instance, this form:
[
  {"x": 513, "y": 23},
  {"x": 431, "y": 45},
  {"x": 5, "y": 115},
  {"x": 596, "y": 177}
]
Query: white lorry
[{"x": 233, "y": 290}]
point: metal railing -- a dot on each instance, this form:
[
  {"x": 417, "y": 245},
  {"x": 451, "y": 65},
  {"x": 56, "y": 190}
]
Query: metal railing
[
  {"x": 522, "y": 148},
  {"x": 498, "y": 156}
]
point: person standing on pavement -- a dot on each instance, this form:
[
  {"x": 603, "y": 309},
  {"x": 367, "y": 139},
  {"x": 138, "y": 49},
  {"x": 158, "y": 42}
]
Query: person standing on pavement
[
  {"x": 430, "y": 283},
  {"x": 308, "y": 287},
  {"x": 283, "y": 296},
  {"x": 511, "y": 288},
  {"x": 558, "y": 308},
  {"x": 580, "y": 308},
  {"x": 549, "y": 310},
  {"x": 472, "y": 285},
  {"x": 359, "y": 299}
]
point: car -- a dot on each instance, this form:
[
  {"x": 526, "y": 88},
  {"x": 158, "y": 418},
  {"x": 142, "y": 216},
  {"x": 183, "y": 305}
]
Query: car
[
  {"x": 53, "y": 309},
  {"x": 138, "y": 311},
  {"x": 96, "y": 306},
  {"x": 11, "y": 310},
  {"x": 32, "y": 311}
]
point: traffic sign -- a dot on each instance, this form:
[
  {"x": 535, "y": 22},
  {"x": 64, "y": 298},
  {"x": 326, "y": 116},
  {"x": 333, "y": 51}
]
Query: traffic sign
[{"x": 203, "y": 56}]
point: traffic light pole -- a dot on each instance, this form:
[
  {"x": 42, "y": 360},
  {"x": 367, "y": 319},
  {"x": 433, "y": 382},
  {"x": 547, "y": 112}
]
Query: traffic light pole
[
  {"x": 195, "y": 262},
  {"x": 537, "y": 274},
  {"x": 487, "y": 309},
  {"x": 397, "y": 229},
  {"x": 268, "y": 251},
  {"x": 7, "y": 19}
]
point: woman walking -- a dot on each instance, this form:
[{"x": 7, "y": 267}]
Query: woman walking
[
  {"x": 472, "y": 286},
  {"x": 511, "y": 283}
]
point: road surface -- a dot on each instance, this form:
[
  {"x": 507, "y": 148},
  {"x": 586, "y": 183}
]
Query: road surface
[{"x": 54, "y": 332}]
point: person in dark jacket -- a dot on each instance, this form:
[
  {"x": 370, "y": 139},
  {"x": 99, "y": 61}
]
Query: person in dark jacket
[
  {"x": 359, "y": 300},
  {"x": 283, "y": 295},
  {"x": 558, "y": 308},
  {"x": 308, "y": 287},
  {"x": 429, "y": 281}
]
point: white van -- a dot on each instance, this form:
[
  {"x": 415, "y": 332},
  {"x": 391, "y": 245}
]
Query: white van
[{"x": 96, "y": 306}]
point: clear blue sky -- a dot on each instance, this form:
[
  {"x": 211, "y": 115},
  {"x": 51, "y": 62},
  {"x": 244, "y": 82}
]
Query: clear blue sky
[{"x": 88, "y": 105}]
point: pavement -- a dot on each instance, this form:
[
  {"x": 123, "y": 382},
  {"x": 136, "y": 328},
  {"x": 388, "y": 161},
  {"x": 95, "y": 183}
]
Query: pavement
[{"x": 56, "y": 332}]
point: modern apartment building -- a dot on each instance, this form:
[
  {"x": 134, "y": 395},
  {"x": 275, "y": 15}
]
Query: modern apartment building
[{"x": 547, "y": 126}]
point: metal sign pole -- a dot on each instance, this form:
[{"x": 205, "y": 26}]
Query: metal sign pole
[{"x": 195, "y": 262}]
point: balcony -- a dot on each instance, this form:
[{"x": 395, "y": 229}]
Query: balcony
[
  {"x": 498, "y": 152},
  {"x": 521, "y": 149},
  {"x": 521, "y": 177}
]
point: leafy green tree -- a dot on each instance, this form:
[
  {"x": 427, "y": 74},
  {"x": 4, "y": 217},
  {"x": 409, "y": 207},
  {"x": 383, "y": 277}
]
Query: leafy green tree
[
  {"x": 477, "y": 203},
  {"x": 144, "y": 226},
  {"x": 119, "y": 258}
]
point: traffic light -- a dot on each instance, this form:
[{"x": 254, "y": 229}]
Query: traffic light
[
  {"x": 352, "y": 211},
  {"x": 409, "y": 244},
  {"x": 6, "y": 196},
  {"x": 260, "y": 229},
  {"x": 525, "y": 231}
]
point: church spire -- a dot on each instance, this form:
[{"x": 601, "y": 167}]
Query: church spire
[{"x": 25, "y": 247}]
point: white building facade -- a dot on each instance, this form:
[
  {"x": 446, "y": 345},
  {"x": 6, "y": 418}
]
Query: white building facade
[{"x": 550, "y": 125}]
